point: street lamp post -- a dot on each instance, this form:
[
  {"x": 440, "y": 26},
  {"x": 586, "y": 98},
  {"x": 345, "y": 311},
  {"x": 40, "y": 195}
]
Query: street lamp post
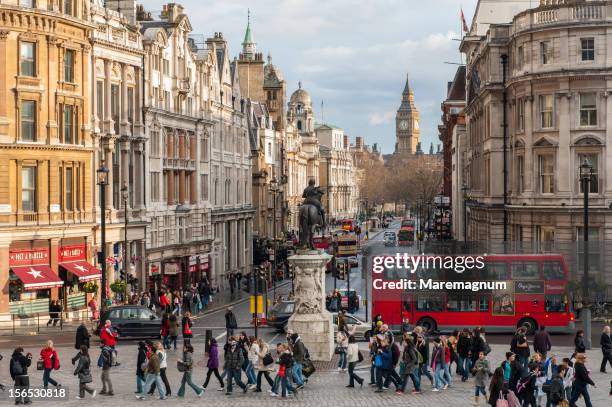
[
  {"x": 102, "y": 181},
  {"x": 274, "y": 190},
  {"x": 586, "y": 174},
  {"x": 125, "y": 195}
]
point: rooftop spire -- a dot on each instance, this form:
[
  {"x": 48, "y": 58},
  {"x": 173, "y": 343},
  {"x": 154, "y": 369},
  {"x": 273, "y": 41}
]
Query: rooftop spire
[
  {"x": 248, "y": 36},
  {"x": 407, "y": 88}
]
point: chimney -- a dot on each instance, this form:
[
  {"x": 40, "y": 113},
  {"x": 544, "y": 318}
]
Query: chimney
[
  {"x": 358, "y": 142},
  {"x": 346, "y": 142},
  {"x": 125, "y": 7},
  {"x": 174, "y": 10}
]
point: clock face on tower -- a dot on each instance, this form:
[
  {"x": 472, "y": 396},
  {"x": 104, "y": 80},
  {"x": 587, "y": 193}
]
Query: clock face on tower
[{"x": 403, "y": 125}]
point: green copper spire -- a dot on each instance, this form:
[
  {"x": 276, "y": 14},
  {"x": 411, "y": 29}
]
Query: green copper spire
[{"x": 248, "y": 36}]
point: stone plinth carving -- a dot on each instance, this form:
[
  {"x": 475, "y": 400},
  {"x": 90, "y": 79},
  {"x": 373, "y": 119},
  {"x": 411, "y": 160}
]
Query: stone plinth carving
[{"x": 310, "y": 319}]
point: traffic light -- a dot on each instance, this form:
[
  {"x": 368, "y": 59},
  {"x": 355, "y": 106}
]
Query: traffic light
[{"x": 340, "y": 271}]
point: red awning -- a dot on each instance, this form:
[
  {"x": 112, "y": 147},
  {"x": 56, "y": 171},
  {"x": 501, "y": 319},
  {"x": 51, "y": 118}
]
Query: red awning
[
  {"x": 83, "y": 270},
  {"x": 37, "y": 277}
]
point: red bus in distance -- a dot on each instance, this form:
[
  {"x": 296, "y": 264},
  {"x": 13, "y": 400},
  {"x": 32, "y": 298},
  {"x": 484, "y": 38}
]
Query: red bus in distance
[{"x": 535, "y": 295}]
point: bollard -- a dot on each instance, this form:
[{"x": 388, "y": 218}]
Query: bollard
[{"x": 208, "y": 337}]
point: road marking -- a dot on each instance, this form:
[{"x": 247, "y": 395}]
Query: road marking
[{"x": 220, "y": 336}]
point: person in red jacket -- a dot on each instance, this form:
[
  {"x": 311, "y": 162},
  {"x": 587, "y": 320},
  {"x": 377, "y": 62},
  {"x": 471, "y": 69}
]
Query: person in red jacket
[
  {"x": 50, "y": 360},
  {"x": 164, "y": 303},
  {"x": 108, "y": 336}
]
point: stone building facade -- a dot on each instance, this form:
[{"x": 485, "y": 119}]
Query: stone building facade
[
  {"x": 231, "y": 176},
  {"x": 118, "y": 129},
  {"x": 178, "y": 131},
  {"x": 46, "y": 153},
  {"x": 558, "y": 113},
  {"x": 336, "y": 173}
]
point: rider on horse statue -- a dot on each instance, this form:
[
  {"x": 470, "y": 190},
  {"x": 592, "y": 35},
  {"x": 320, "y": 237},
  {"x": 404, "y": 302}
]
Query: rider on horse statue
[{"x": 312, "y": 195}]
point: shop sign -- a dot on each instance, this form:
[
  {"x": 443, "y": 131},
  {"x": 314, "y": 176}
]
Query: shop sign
[
  {"x": 154, "y": 269},
  {"x": 28, "y": 257},
  {"x": 71, "y": 253},
  {"x": 171, "y": 268}
]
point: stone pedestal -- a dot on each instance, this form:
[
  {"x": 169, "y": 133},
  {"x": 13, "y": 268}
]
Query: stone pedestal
[{"x": 310, "y": 319}]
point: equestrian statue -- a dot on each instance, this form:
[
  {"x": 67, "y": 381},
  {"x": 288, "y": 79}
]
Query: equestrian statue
[{"x": 312, "y": 215}]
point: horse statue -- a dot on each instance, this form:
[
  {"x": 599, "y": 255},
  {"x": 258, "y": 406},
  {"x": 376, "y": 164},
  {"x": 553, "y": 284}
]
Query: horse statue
[{"x": 311, "y": 215}]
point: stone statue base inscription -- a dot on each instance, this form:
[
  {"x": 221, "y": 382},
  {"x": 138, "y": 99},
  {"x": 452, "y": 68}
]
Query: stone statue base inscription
[{"x": 310, "y": 319}]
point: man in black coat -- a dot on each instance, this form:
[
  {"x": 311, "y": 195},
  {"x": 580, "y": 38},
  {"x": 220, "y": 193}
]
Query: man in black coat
[
  {"x": 606, "y": 348},
  {"x": 19, "y": 373},
  {"x": 82, "y": 337},
  {"x": 230, "y": 322}
]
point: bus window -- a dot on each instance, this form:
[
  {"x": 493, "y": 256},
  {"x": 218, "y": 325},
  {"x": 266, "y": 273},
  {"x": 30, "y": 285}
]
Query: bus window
[
  {"x": 554, "y": 303},
  {"x": 553, "y": 270},
  {"x": 527, "y": 270},
  {"x": 483, "y": 303},
  {"x": 406, "y": 305},
  {"x": 430, "y": 303},
  {"x": 461, "y": 302},
  {"x": 496, "y": 271}
]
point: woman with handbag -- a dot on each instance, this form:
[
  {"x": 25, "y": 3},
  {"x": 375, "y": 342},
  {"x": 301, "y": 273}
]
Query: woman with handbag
[
  {"x": 83, "y": 372},
  {"x": 187, "y": 367},
  {"x": 265, "y": 364},
  {"x": 187, "y": 324},
  {"x": 352, "y": 356},
  {"x": 50, "y": 361}
]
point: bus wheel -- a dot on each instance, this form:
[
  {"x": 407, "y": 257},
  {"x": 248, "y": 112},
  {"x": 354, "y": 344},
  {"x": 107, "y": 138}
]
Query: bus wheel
[
  {"x": 428, "y": 324},
  {"x": 528, "y": 323}
]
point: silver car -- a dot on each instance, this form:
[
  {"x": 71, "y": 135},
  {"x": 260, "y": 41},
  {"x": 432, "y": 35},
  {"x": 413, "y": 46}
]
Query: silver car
[{"x": 360, "y": 329}]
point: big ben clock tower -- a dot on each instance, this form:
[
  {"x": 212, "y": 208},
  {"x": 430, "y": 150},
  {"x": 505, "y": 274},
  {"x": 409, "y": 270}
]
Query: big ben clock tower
[{"x": 407, "y": 123}]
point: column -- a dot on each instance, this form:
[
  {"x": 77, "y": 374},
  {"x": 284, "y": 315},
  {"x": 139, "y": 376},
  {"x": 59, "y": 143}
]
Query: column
[
  {"x": 139, "y": 175},
  {"x": 4, "y": 122},
  {"x": 181, "y": 197},
  {"x": 138, "y": 127},
  {"x": 529, "y": 166},
  {"x": 608, "y": 149},
  {"x": 52, "y": 64},
  {"x": 86, "y": 86},
  {"x": 171, "y": 197},
  {"x": 108, "y": 120},
  {"x": 124, "y": 105},
  {"x": 563, "y": 175}
]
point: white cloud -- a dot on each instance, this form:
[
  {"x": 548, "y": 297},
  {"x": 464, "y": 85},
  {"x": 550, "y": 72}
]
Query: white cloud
[{"x": 378, "y": 118}]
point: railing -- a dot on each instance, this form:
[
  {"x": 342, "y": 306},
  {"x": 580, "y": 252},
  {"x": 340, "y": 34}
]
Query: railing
[
  {"x": 40, "y": 322},
  {"x": 562, "y": 14},
  {"x": 586, "y": 12}
]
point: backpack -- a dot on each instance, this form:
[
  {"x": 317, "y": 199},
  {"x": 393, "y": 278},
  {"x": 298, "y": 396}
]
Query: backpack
[{"x": 16, "y": 367}]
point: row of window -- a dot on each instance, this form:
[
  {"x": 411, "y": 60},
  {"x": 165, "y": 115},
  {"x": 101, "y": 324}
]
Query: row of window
[
  {"x": 587, "y": 111},
  {"x": 69, "y": 179},
  {"x": 546, "y": 173},
  {"x": 586, "y": 52},
  {"x": 28, "y": 61},
  {"x": 475, "y": 303},
  {"x": 68, "y": 7},
  {"x": 67, "y": 121}
]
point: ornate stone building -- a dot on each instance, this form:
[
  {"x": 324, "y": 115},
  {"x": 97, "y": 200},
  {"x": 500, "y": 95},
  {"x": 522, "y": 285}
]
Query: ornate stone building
[
  {"x": 407, "y": 130},
  {"x": 178, "y": 129},
  {"x": 336, "y": 173},
  {"x": 302, "y": 149},
  {"x": 559, "y": 113},
  {"x": 46, "y": 154},
  {"x": 231, "y": 177},
  {"x": 118, "y": 129}
]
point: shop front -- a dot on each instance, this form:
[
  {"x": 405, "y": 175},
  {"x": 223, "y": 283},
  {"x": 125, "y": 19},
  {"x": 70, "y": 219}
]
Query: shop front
[
  {"x": 198, "y": 268},
  {"x": 31, "y": 280},
  {"x": 80, "y": 277}
]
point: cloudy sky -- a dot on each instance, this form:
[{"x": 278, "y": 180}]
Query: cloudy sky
[{"x": 351, "y": 54}]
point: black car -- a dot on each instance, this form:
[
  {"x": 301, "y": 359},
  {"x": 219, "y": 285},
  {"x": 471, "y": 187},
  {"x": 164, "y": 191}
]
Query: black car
[
  {"x": 132, "y": 320},
  {"x": 279, "y": 315}
]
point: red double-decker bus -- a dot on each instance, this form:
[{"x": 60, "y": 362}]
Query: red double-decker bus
[
  {"x": 535, "y": 295},
  {"x": 405, "y": 236}
]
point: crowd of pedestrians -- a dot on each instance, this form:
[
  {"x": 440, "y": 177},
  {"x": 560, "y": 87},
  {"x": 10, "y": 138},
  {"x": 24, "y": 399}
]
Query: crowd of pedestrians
[{"x": 528, "y": 376}]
